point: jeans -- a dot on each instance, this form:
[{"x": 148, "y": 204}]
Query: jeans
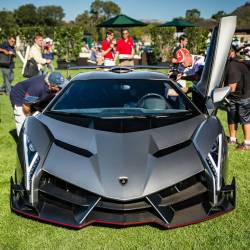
[
  {"x": 8, "y": 76},
  {"x": 48, "y": 67}
]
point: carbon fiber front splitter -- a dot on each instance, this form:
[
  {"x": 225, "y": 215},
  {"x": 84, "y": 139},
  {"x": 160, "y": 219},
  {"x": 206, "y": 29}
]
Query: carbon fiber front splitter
[{"x": 185, "y": 213}]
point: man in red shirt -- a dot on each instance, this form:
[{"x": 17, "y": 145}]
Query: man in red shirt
[
  {"x": 125, "y": 49},
  {"x": 108, "y": 49}
]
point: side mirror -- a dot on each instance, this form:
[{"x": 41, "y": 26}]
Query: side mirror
[
  {"x": 31, "y": 99},
  {"x": 219, "y": 94}
]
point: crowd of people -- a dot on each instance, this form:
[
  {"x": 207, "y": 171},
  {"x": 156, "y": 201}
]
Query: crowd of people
[
  {"x": 186, "y": 67},
  {"x": 113, "y": 52},
  {"x": 43, "y": 82},
  {"x": 41, "y": 52},
  {"x": 237, "y": 77}
]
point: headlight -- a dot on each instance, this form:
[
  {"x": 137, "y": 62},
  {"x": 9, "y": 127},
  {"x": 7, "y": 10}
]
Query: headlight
[
  {"x": 32, "y": 160},
  {"x": 214, "y": 160}
]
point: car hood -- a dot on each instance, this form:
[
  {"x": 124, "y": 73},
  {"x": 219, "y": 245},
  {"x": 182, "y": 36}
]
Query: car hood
[{"x": 149, "y": 160}]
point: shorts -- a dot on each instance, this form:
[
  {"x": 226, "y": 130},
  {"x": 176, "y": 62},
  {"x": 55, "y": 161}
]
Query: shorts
[
  {"x": 239, "y": 112},
  {"x": 126, "y": 63}
]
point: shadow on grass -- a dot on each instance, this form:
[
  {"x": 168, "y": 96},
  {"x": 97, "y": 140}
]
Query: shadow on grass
[{"x": 14, "y": 135}]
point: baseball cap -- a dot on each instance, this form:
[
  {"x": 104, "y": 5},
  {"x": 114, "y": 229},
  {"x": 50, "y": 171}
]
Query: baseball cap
[
  {"x": 48, "y": 40},
  {"x": 57, "y": 78},
  {"x": 181, "y": 54}
]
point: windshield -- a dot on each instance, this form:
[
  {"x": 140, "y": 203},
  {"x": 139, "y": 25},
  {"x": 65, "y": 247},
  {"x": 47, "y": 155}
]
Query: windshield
[{"x": 114, "y": 98}]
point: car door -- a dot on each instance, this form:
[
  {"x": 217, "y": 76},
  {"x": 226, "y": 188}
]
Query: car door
[{"x": 212, "y": 76}]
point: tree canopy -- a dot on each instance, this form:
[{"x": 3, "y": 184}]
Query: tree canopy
[
  {"x": 218, "y": 15},
  {"x": 102, "y": 10},
  {"x": 193, "y": 15},
  {"x": 30, "y": 15}
]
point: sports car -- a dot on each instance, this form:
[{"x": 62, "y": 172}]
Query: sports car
[{"x": 126, "y": 147}]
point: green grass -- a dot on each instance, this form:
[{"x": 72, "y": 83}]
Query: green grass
[{"x": 231, "y": 231}]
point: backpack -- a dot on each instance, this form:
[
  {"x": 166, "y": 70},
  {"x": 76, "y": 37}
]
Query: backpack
[{"x": 31, "y": 68}]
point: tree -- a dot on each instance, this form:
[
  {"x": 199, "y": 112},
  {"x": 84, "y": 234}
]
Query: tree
[
  {"x": 86, "y": 22},
  {"x": 26, "y": 15},
  {"x": 193, "y": 15},
  {"x": 217, "y": 16},
  {"x": 7, "y": 19},
  {"x": 111, "y": 9},
  {"x": 96, "y": 9},
  {"x": 8, "y": 24},
  {"x": 197, "y": 39},
  {"x": 68, "y": 42},
  {"x": 163, "y": 42},
  {"x": 50, "y": 15},
  {"x": 101, "y": 10}
]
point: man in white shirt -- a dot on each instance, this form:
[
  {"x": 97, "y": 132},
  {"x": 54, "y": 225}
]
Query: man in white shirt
[{"x": 36, "y": 53}]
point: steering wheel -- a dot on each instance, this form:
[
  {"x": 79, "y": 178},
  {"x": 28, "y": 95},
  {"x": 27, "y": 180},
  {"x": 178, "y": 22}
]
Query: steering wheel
[{"x": 140, "y": 103}]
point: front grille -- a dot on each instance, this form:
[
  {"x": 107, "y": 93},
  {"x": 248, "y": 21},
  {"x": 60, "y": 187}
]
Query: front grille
[
  {"x": 86, "y": 206},
  {"x": 52, "y": 186}
]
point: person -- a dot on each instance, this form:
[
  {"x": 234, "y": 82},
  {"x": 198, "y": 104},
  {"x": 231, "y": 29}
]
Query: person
[
  {"x": 190, "y": 66},
  {"x": 125, "y": 49},
  {"x": 36, "y": 53},
  {"x": 8, "y": 49},
  {"x": 48, "y": 52},
  {"x": 108, "y": 49},
  {"x": 238, "y": 79},
  {"x": 41, "y": 86},
  {"x": 183, "y": 42}
]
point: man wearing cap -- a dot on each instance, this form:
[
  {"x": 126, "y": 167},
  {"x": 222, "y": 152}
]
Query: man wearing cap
[
  {"x": 41, "y": 86},
  {"x": 190, "y": 66},
  {"x": 48, "y": 53}
]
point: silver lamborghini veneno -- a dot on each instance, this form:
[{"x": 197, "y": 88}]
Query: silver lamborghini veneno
[{"x": 117, "y": 148}]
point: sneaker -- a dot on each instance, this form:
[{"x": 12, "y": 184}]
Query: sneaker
[
  {"x": 2, "y": 90},
  {"x": 243, "y": 147},
  {"x": 231, "y": 142}
]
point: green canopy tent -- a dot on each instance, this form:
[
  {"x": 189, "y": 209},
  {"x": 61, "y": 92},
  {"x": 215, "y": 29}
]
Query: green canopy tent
[
  {"x": 121, "y": 21},
  {"x": 179, "y": 24}
]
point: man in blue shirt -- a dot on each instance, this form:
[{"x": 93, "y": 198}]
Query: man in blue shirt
[
  {"x": 41, "y": 86},
  {"x": 8, "y": 50}
]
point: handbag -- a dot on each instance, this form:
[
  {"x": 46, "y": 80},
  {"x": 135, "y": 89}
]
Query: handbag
[
  {"x": 5, "y": 60},
  {"x": 31, "y": 68}
]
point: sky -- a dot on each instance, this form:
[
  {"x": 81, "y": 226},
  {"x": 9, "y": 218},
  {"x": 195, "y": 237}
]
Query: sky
[{"x": 138, "y": 9}]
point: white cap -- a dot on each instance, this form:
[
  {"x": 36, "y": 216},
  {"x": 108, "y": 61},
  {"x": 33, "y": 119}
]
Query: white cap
[{"x": 48, "y": 40}]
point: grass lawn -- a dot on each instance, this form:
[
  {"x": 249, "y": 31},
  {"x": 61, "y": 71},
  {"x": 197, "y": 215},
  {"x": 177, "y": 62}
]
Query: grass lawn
[{"x": 231, "y": 231}]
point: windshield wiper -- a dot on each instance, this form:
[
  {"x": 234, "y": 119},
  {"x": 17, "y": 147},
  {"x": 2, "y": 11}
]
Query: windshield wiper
[{"x": 144, "y": 116}]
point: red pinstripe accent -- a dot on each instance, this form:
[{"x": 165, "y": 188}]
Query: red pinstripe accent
[{"x": 117, "y": 223}]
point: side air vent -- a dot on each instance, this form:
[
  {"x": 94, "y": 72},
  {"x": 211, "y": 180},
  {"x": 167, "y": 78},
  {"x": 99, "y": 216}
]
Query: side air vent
[
  {"x": 73, "y": 149},
  {"x": 172, "y": 149}
]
